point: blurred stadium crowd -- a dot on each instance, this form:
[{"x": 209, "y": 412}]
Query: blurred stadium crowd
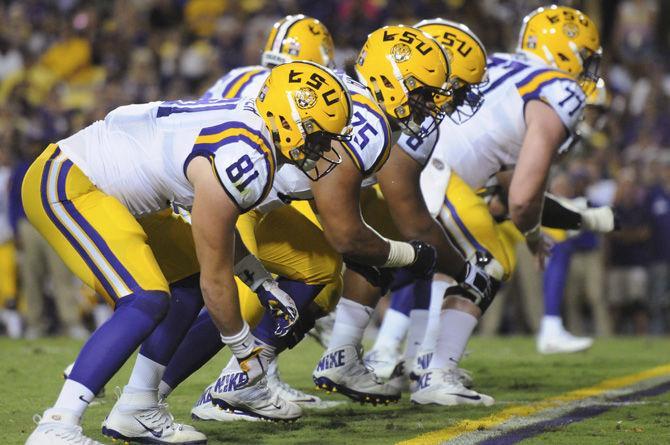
[{"x": 66, "y": 63}]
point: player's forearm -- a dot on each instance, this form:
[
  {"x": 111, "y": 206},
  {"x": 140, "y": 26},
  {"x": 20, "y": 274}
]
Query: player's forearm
[
  {"x": 221, "y": 299},
  {"x": 361, "y": 244},
  {"x": 525, "y": 214}
]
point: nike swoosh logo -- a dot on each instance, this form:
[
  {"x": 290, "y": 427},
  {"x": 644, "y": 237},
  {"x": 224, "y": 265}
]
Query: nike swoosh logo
[
  {"x": 84, "y": 400},
  {"x": 466, "y": 397},
  {"x": 152, "y": 431}
]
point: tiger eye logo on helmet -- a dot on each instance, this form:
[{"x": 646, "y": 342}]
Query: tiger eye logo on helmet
[
  {"x": 305, "y": 98},
  {"x": 401, "y": 52},
  {"x": 571, "y": 30}
]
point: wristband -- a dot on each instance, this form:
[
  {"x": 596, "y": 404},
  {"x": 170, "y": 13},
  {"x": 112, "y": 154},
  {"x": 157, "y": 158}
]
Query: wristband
[
  {"x": 252, "y": 272},
  {"x": 400, "y": 254}
]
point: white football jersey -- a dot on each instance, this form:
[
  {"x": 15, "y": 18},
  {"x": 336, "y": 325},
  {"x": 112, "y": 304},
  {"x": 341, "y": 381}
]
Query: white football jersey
[
  {"x": 139, "y": 153},
  {"x": 369, "y": 148},
  {"x": 490, "y": 141}
]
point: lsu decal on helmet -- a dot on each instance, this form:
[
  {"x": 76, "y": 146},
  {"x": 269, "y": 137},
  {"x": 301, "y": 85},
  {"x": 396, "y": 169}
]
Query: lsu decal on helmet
[
  {"x": 407, "y": 71},
  {"x": 306, "y": 106},
  {"x": 566, "y": 39},
  {"x": 298, "y": 37},
  {"x": 467, "y": 60}
]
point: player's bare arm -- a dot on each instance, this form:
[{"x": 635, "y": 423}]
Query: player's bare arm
[
  {"x": 544, "y": 134},
  {"x": 213, "y": 222},
  {"x": 399, "y": 181},
  {"x": 337, "y": 198}
]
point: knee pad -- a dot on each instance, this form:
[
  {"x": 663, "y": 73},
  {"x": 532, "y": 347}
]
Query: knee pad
[
  {"x": 458, "y": 291},
  {"x": 153, "y": 303}
]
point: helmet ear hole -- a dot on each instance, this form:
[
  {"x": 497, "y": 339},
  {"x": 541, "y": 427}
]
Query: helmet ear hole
[
  {"x": 387, "y": 83},
  {"x": 284, "y": 123},
  {"x": 377, "y": 91}
]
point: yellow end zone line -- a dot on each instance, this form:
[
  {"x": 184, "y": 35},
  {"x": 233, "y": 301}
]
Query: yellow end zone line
[{"x": 467, "y": 426}]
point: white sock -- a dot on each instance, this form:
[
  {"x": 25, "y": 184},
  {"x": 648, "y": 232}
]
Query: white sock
[
  {"x": 455, "y": 330},
  {"x": 164, "y": 390},
  {"x": 240, "y": 344},
  {"x": 392, "y": 331},
  {"x": 551, "y": 325},
  {"x": 418, "y": 318},
  {"x": 437, "y": 290},
  {"x": 351, "y": 319},
  {"x": 146, "y": 375},
  {"x": 74, "y": 398}
]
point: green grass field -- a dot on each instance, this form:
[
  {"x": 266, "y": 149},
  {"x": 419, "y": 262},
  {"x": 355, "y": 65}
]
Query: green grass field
[{"x": 507, "y": 368}]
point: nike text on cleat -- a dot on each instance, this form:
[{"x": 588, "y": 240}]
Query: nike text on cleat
[
  {"x": 342, "y": 370},
  {"x": 442, "y": 387},
  {"x": 58, "y": 428},
  {"x": 256, "y": 400},
  {"x": 140, "y": 417}
]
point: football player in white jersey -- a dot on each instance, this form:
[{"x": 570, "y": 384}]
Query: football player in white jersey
[
  {"x": 402, "y": 208},
  {"x": 102, "y": 199},
  {"x": 531, "y": 105}
]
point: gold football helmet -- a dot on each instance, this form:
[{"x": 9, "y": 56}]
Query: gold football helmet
[
  {"x": 467, "y": 59},
  {"x": 566, "y": 39},
  {"x": 306, "y": 106},
  {"x": 407, "y": 72},
  {"x": 298, "y": 37}
]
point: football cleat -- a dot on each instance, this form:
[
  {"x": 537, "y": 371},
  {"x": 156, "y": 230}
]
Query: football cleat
[
  {"x": 230, "y": 392},
  {"x": 204, "y": 409},
  {"x": 442, "y": 387},
  {"x": 562, "y": 342},
  {"x": 58, "y": 428},
  {"x": 300, "y": 398},
  {"x": 382, "y": 361},
  {"x": 342, "y": 370},
  {"x": 422, "y": 362},
  {"x": 140, "y": 417}
]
